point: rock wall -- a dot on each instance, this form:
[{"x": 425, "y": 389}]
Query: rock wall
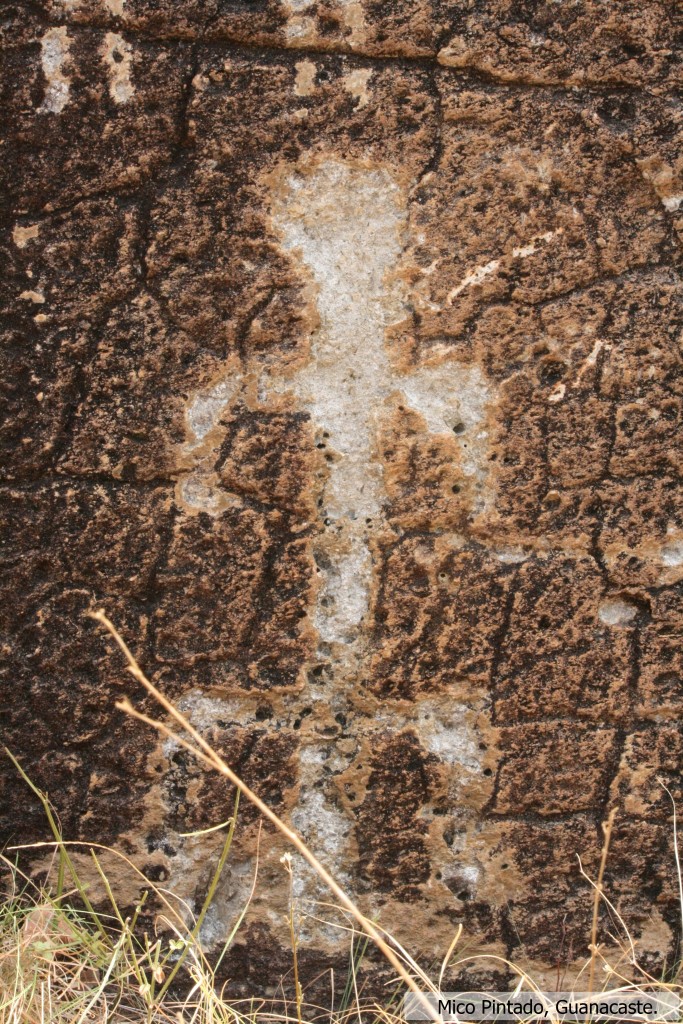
[{"x": 342, "y": 367}]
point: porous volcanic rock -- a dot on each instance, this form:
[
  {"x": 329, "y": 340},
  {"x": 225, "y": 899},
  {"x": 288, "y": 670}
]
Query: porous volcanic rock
[{"x": 341, "y": 364}]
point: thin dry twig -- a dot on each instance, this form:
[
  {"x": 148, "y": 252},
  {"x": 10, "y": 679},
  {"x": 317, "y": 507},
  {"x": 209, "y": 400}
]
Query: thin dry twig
[
  {"x": 597, "y": 895},
  {"x": 286, "y": 861},
  {"x": 676, "y": 850}
]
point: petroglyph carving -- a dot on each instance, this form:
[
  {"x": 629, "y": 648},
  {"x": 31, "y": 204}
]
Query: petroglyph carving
[
  {"x": 116, "y": 52},
  {"x": 54, "y": 55},
  {"x": 118, "y": 55},
  {"x": 346, "y": 224}
]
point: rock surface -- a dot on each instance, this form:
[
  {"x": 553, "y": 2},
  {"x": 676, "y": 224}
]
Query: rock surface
[{"x": 342, "y": 366}]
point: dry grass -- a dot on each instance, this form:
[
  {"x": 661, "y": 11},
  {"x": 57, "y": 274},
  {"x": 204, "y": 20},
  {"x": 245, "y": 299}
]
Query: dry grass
[{"x": 64, "y": 962}]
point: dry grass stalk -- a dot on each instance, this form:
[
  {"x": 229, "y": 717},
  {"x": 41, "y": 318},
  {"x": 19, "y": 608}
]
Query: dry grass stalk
[{"x": 597, "y": 894}]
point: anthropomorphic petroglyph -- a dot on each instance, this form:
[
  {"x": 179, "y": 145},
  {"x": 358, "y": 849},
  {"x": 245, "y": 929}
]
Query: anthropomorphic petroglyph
[{"x": 346, "y": 225}]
